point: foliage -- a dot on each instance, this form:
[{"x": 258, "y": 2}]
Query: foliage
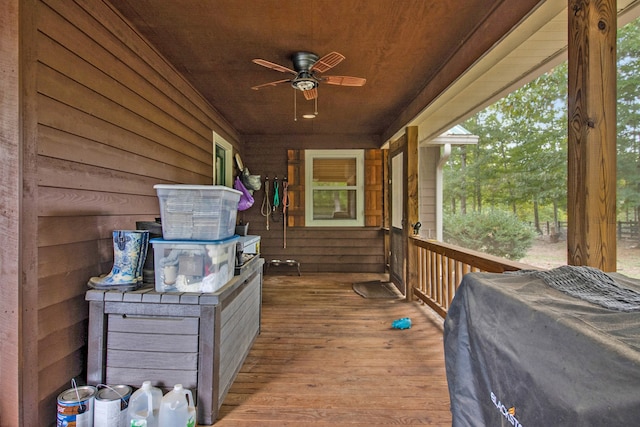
[
  {"x": 495, "y": 232},
  {"x": 521, "y": 155},
  {"x": 520, "y": 161},
  {"x": 628, "y": 140}
]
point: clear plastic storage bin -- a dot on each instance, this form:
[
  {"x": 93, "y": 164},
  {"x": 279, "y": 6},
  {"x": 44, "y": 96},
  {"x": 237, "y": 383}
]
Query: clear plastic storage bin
[
  {"x": 193, "y": 266},
  {"x": 197, "y": 212}
]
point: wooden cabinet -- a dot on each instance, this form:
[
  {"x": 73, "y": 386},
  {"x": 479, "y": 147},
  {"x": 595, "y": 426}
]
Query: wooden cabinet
[{"x": 195, "y": 339}]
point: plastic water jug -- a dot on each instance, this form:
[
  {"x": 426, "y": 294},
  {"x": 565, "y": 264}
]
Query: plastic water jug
[
  {"x": 144, "y": 406},
  {"x": 177, "y": 408}
]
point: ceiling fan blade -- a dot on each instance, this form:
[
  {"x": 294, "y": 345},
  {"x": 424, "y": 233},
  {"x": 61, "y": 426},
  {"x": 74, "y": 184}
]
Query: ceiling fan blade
[
  {"x": 274, "y": 66},
  {"x": 310, "y": 94},
  {"x": 277, "y": 82},
  {"x": 327, "y": 62},
  {"x": 344, "y": 80}
]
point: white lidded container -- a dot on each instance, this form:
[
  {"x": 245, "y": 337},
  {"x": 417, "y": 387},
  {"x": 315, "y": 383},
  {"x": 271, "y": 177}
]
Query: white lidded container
[
  {"x": 193, "y": 265},
  {"x": 144, "y": 406},
  {"x": 111, "y": 404},
  {"x": 197, "y": 212},
  {"x": 250, "y": 244},
  {"x": 177, "y": 408}
]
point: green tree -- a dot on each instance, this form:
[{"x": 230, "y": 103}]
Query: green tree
[
  {"x": 538, "y": 116},
  {"x": 628, "y": 139},
  {"x": 520, "y": 159}
]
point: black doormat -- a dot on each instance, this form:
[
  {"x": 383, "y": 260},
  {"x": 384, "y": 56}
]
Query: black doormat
[{"x": 376, "y": 289}]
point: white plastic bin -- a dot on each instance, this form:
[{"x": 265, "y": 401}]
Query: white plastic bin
[
  {"x": 197, "y": 212},
  {"x": 250, "y": 244},
  {"x": 193, "y": 266}
]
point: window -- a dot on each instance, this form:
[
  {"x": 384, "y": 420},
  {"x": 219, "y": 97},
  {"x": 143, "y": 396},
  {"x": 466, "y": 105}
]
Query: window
[
  {"x": 222, "y": 158},
  {"x": 220, "y": 164},
  {"x": 334, "y": 182}
]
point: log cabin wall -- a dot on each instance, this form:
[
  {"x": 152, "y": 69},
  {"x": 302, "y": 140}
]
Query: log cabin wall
[
  {"x": 318, "y": 249},
  {"x": 111, "y": 118}
]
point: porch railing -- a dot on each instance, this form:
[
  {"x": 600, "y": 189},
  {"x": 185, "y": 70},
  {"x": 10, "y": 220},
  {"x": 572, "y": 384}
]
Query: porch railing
[{"x": 439, "y": 268}]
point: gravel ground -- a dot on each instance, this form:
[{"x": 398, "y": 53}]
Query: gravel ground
[{"x": 549, "y": 255}]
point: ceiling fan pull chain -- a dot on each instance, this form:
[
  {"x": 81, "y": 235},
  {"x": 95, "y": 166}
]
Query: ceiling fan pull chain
[
  {"x": 295, "y": 113},
  {"x": 316, "y": 101}
]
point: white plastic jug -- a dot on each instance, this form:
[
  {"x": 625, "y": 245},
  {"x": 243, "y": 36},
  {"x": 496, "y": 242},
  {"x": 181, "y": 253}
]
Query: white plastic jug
[
  {"x": 144, "y": 406},
  {"x": 177, "y": 408}
]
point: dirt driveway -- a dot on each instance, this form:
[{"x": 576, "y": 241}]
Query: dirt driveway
[{"x": 550, "y": 255}]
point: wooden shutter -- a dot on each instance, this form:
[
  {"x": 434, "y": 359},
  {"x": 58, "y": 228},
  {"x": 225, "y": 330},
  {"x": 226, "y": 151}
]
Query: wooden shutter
[
  {"x": 373, "y": 173},
  {"x": 295, "y": 171}
]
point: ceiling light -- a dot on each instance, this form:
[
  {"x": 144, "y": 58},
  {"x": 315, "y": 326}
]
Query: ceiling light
[
  {"x": 304, "y": 84},
  {"x": 308, "y": 116}
]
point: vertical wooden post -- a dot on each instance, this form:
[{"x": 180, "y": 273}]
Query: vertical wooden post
[
  {"x": 10, "y": 184},
  {"x": 412, "y": 208},
  {"x": 591, "y": 232},
  {"x": 96, "y": 339},
  {"x": 386, "y": 214},
  {"x": 34, "y": 408}
]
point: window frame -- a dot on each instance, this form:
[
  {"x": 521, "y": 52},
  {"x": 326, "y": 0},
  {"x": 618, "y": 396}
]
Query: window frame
[
  {"x": 220, "y": 142},
  {"x": 359, "y": 155}
]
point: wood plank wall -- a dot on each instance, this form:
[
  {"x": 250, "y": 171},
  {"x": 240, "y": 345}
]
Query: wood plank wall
[
  {"x": 317, "y": 249},
  {"x": 428, "y": 165},
  {"x": 10, "y": 177},
  {"x": 113, "y": 119}
]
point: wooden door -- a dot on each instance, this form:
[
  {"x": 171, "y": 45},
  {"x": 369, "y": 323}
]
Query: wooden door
[
  {"x": 397, "y": 223},
  {"x": 403, "y": 209}
]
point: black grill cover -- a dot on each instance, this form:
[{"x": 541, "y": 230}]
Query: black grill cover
[{"x": 520, "y": 353}]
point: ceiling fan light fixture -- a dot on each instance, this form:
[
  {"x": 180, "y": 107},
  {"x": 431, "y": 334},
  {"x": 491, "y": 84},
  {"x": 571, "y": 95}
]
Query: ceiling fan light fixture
[
  {"x": 306, "y": 67},
  {"x": 304, "y": 83}
]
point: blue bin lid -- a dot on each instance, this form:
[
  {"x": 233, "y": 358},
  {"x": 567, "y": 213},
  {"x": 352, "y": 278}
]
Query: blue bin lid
[{"x": 231, "y": 239}]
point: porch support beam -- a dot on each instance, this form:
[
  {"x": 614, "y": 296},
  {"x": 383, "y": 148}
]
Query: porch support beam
[
  {"x": 10, "y": 193},
  {"x": 412, "y": 208},
  {"x": 591, "y": 210}
]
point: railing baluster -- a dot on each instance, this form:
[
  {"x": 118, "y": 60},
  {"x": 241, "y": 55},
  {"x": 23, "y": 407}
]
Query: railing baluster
[
  {"x": 441, "y": 267},
  {"x": 450, "y": 285}
]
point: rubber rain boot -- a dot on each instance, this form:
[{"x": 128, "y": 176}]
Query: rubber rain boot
[
  {"x": 144, "y": 247},
  {"x": 127, "y": 249}
]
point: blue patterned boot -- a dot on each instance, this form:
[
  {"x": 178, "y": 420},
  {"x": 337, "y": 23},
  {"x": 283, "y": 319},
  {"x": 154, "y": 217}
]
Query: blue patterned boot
[
  {"x": 127, "y": 251},
  {"x": 144, "y": 245}
]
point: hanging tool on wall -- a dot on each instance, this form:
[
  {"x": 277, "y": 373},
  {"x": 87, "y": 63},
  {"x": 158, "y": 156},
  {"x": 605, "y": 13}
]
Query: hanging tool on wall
[
  {"x": 266, "y": 204},
  {"x": 276, "y": 199},
  {"x": 285, "y": 205}
]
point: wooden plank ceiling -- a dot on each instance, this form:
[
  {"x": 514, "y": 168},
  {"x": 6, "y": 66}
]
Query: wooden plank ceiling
[
  {"x": 429, "y": 64},
  {"x": 399, "y": 46}
]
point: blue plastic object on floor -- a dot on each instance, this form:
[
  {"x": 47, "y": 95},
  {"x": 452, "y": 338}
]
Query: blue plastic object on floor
[{"x": 404, "y": 323}]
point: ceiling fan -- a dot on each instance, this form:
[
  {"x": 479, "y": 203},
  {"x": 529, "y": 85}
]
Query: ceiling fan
[{"x": 307, "y": 70}]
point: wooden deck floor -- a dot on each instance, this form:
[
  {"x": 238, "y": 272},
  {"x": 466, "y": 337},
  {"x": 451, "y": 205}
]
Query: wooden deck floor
[{"x": 329, "y": 357}]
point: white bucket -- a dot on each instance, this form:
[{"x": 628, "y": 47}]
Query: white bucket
[{"x": 111, "y": 406}]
